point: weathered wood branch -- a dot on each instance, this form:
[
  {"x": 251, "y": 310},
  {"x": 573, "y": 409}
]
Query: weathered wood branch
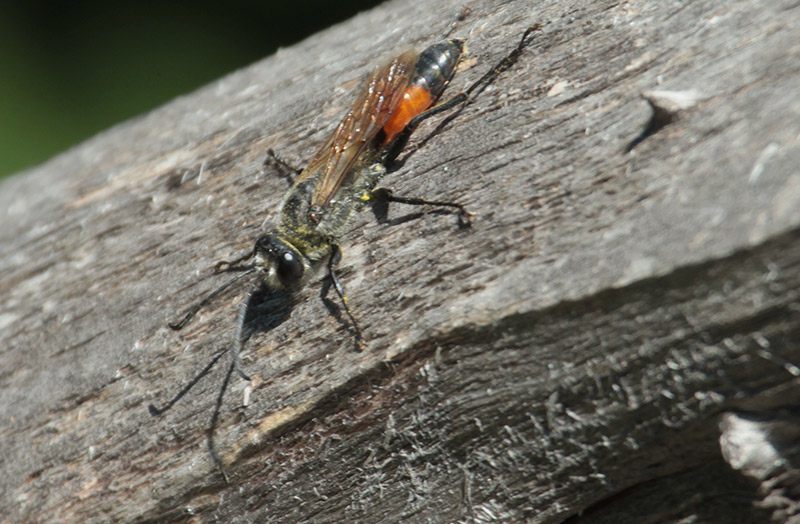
[{"x": 579, "y": 354}]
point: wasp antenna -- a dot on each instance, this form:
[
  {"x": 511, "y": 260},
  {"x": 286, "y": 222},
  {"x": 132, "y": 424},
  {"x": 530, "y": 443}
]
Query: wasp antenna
[
  {"x": 241, "y": 338},
  {"x": 214, "y": 294},
  {"x": 212, "y": 449},
  {"x": 159, "y": 411}
]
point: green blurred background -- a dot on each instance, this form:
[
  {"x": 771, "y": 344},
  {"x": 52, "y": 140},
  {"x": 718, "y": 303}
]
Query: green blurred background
[{"x": 71, "y": 69}]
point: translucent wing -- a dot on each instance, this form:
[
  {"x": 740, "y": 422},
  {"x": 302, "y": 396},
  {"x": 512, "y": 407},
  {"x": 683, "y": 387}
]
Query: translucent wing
[{"x": 380, "y": 96}]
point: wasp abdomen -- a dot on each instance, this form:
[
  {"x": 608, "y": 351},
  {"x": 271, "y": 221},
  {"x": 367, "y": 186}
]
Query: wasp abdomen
[
  {"x": 436, "y": 65},
  {"x": 434, "y": 68}
]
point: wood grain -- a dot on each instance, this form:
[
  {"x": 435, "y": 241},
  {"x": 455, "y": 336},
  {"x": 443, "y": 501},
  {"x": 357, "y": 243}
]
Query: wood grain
[{"x": 569, "y": 358}]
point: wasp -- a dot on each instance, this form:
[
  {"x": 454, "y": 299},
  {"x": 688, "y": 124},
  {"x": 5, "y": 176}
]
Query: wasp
[{"x": 339, "y": 181}]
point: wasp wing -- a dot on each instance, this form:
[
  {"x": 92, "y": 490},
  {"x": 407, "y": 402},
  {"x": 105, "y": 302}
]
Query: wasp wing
[{"x": 379, "y": 97}]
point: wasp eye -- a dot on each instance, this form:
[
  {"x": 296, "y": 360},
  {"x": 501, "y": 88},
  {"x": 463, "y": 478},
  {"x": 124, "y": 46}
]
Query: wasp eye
[{"x": 290, "y": 269}]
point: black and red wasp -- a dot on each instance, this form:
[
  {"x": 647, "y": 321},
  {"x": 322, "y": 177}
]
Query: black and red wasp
[{"x": 340, "y": 180}]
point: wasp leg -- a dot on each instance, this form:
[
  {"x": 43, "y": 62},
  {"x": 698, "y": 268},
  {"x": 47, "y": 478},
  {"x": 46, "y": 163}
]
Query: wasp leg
[
  {"x": 459, "y": 99},
  {"x": 287, "y": 169},
  {"x": 336, "y": 255},
  {"x": 402, "y": 139},
  {"x": 211, "y": 296},
  {"x": 386, "y": 195},
  {"x": 460, "y": 17},
  {"x": 504, "y": 64},
  {"x": 233, "y": 265}
]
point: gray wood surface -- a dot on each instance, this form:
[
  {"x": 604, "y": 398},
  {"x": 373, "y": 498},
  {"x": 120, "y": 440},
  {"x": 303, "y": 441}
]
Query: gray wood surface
[{"x": 576, "y": 356}]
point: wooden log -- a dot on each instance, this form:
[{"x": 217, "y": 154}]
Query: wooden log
[{"x": 625, "y": 301}]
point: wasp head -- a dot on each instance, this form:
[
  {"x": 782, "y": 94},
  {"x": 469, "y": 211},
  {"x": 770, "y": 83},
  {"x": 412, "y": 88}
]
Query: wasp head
[{"x": 283, "y": 264}]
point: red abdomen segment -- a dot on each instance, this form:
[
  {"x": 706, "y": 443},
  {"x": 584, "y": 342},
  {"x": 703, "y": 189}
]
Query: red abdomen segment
[
  {"x": 415, "y": 101},
  {"x": 434, "y": 68}
]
